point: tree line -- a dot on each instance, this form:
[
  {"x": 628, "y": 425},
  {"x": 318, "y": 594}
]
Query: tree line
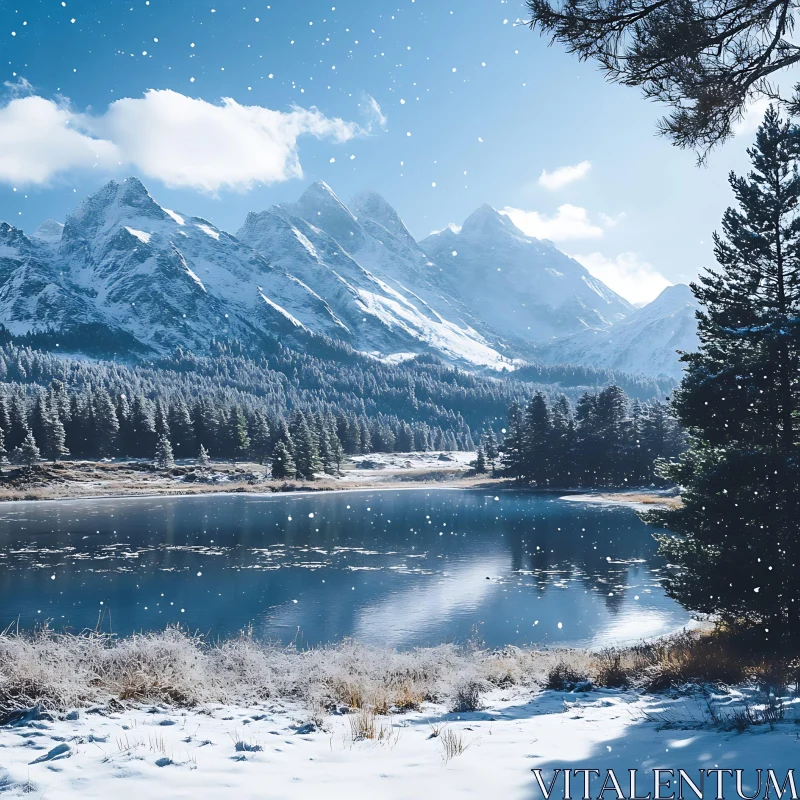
[
  {"x": 605, "y": 440},
  {"x": 93, "y": 423}
]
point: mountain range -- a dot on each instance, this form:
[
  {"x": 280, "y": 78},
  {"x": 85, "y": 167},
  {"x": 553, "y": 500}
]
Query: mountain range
[{"x": 481, "y": 296}]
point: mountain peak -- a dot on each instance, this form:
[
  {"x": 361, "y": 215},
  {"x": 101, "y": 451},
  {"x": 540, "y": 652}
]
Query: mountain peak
[
  {"x": 372, "y": 206},
  {"x": 486, "y": 220},
  {"x": 672, "y": 298},
  {"x": 319, "y": 206},
  {"x": 49, "y": 231},
  {"x": 112, "y": 204},
  {"x": 320, "y": 193}
]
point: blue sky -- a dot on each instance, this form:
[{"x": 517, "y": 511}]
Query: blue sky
[{"x": 331, "y": 90}]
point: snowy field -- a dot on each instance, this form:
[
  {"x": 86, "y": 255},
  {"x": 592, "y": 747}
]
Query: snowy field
[
  {"x": 273, "y": 750},
  {"x": 380, "y": 467}
]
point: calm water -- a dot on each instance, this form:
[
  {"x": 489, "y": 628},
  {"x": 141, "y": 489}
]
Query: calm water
[{"x": 392, "y": 567}]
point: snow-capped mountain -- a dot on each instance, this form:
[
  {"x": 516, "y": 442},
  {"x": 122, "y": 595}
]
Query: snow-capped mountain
[
  {"x": 479, "y": 296},
  {"x": 523, "y": 288},
  {"x": 172, "y": 279},
  {"x": 373, "y": 278},
  {"x": 647, "y": 340},
  {"x": 33, "y": 291}
]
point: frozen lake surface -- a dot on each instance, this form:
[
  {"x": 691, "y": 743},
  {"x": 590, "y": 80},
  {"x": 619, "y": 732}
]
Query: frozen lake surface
[{"x": 394, "y": 567}]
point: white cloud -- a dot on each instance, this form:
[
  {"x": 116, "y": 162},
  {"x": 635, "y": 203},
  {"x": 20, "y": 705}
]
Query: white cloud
[
  {"x": 569, "y": 222},
  {"x": 18, "y": 88},
  {"x": 636, "y": 280},
  {"x": 374, "y": 113},
  {"x": 753, "y": 116},
  {"x": 612, "y": 220},
  {"x": 450, "y": 226},
  {"x": 39, "y": 138},
  {"x": 563, "y": 176},
  {"x": 179, "y": 140}
]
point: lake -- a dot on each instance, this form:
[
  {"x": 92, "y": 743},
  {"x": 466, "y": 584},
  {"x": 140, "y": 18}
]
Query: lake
[{"x": 392, "y": 567}]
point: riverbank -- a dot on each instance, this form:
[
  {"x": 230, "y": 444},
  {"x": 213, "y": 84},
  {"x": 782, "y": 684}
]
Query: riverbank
[
  {"x": 639, "y": 501},
  {"x": 121, "y": 478},
  {"x": 167, "y": 716},
  {"x": 118, "y": 478}
]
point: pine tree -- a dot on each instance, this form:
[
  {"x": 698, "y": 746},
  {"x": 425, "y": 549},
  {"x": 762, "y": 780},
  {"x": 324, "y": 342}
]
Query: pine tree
[
  {"x": 27, "y": 453},
  {"x": 161, "y": 420},
  {"x": 237, "y": 439},
  {"x": 281, "y": 433},
  {"x": 164, "y": 458},
  {"x": 2, "y": 449},
  {"x": 205, "y": 425},
  {"x": 306, "y": 448},
  {"x": 480, "y": 461},
  {"x": 282, "y": 462},
  {"x": 513, "y": 444},
  {"x": 563, "y": 443},
  {"x": 537, "y": 441},
  {"x": 333, "y": 448},
  {"x": 259, "y": 437},
  {"x": 490, "y": 448},
  {"x": 18, "y": 429},
  {"x": 181, "y": 430},
  {"x": 37, "y": 419},
  {"x": 203, "y": 459},
  {"x": 105, "y": 427},
  {"x": 5, "y": 420},
  {"x": 143, "y": 428},
  {"x": 740, "y": 397},
  {"x": 54, "y": 436}
]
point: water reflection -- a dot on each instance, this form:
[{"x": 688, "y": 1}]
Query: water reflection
[{"x": 398, "y": 567}]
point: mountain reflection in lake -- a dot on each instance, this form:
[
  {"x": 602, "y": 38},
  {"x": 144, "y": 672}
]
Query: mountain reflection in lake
[{"x": 400, "y": 568}]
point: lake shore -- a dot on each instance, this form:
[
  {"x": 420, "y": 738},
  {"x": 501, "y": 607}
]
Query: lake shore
[
  {"x": 92, "y": 479},
  {"x": 73, "y": 480},
  {"x": 639, "y": 501},
  {"x": 172, "y": 717}
]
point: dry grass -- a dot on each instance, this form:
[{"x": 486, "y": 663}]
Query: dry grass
[
  {"x": 58, "y": 672},
  {"x": 452, "y": 744},
  {"x": 643, "y": 498},
  {"x": 77, "y": 479}
]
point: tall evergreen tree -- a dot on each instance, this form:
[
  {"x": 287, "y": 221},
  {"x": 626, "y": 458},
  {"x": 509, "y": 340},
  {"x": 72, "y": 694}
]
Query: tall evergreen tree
[
  {"x": 237, "y": 438},
  {"x": 105, "y": 424},
  {"x": 54, "y": 443},
  {"x": 480, "y": 461},
  {"x": 164, "y": 458},
  {"x": 18, "y": 428},
  {"x": 740, "y": 397},
  {"x": 537, "y": 441},
  {"x": 143, "y": 428},
  {"x": 562, "y": 443},
  {"x": 306, "y": 447},
  {"x": 181, "y": 431},
  {"x": 514, "y": 443},
  {"x": 27, "y": 453},
  {"x": 37, "y": 419},
  {"x": 283, "y": 465},
  {"x": 491, "y": 449},
  {"x": 260, "y": 437}
]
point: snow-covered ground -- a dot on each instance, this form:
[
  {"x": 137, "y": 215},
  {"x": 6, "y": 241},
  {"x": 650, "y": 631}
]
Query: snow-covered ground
[
  {"x": 380, "y": 466},
  {"x": 645, "y": 500},
  {"x": 270, "y": 750}
]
